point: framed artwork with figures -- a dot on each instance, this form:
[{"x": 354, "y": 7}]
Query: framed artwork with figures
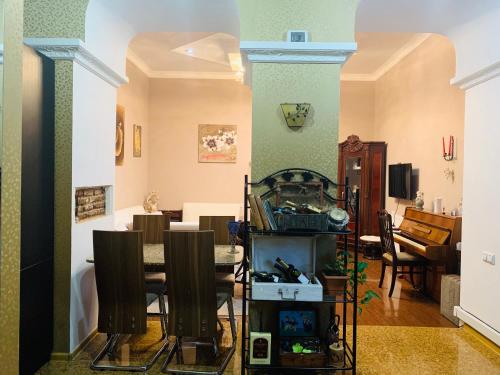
[{"x": 217, "y": 143}]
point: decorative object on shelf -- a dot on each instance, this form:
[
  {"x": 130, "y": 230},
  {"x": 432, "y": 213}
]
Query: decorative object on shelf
[
  {"x": 450, "y": 154},
  {"x": 337, "y": 355},
  {"x": 260, "y": 348},
  {"x": 217, "y": 143},
  {"x": 120, "y": 135},
  {"x": 260, "y": 345},
  {"x": 137, "y": 141},
  {"x": 419, "y": 201},
  {"x": 338, "y": 218},
  {"x": 233, "y": 228},
  {"x": 333, "y": 331},
  {"x": 449, "y": 174},
  {"x": 151, "y": 202},
  {"x": 295, "y": 113}
]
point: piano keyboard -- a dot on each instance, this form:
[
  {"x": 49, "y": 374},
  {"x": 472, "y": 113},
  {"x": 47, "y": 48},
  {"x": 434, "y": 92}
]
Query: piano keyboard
[{"x": 432, "y": 252}]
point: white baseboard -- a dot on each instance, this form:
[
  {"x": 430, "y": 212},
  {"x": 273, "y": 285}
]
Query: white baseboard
[{"x": 480, "y": 326}]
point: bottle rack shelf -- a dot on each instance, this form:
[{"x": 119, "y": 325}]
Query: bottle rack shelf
[{"x": 350, "y": 202}]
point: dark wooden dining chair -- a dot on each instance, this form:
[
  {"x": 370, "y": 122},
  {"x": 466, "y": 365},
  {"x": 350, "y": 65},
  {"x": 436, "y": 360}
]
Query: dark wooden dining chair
[
  {"x": 219, "y": 225},
  {"x": 193, "y": 300},
  {"x": 395, "y": 259},
  {"x": 122, "y": 293},
  {"x": 152, "y": 226},
  {"x": 224, "y": 274}
]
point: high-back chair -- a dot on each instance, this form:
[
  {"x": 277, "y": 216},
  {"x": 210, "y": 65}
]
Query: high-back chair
[
  {"x": 122, "y": 293},
  {"x": 152, "y": 227},
  {"x": 395, "y": 259},
  {"x": 219, "y": 225},
  {"x": 224, "y": 274},
  {"x": 193, "y": 300}
]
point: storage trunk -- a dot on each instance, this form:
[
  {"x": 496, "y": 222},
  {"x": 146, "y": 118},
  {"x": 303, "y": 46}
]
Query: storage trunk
[{"x": 299, "y": 251}]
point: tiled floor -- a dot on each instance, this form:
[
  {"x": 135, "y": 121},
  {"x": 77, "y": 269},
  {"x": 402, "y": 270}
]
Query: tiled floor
[
  {"x": 382, "y": 350},
  {"x": 401, "y": 335}
]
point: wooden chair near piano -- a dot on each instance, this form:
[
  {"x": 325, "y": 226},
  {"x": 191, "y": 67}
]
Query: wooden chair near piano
[{"x": 396, "y": 259}]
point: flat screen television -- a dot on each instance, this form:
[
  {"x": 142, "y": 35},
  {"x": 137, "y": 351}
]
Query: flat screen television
[{"x": 400, "y": 181}]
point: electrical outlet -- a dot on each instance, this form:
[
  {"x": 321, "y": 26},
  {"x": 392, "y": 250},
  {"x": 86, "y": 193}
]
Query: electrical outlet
[{"x": 488, "y": 258}]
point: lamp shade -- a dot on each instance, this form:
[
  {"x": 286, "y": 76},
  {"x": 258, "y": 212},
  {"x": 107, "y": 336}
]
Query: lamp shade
[{"x": 295, "y": 113}]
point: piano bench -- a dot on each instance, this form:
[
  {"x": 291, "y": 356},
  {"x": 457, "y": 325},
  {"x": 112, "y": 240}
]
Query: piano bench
[{"x": 371, "y": 247}]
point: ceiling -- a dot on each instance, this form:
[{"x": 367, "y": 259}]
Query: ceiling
[
  {"x": 378, "y": 52},
  {"x": 216, "y": 55}
]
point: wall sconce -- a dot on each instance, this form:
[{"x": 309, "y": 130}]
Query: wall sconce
[
  {"x": 450, "y": 155},
  {"x": 295, "y": 113}
]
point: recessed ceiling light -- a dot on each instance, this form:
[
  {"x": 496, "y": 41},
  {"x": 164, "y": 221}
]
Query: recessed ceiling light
[{"x": 189, "y": 51}]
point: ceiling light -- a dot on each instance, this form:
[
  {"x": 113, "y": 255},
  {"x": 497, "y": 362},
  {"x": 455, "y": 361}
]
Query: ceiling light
[{"x": 189, "y": 51}]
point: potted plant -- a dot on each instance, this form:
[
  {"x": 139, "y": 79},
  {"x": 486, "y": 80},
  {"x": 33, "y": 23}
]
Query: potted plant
[{"x": 335, "y": 274}]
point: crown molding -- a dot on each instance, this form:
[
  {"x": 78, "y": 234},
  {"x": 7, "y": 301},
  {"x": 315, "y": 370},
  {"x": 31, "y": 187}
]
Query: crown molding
[
  {"x": 478, "y": 77},
  {"x": 297, "y": 53},
  {"x": 1, "y": 54},
  {"x": 395, "y": 58},
  {"x": 74, "y": 50}
]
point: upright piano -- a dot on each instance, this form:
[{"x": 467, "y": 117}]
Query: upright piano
[{"x": 432, "y": 236}]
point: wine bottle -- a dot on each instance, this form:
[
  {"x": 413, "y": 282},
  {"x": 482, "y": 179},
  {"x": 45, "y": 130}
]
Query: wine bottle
[
  {"x": 286, "y": 277},
  {"x": 294, "y": 274},
  {"x": 265, "y": 277}
]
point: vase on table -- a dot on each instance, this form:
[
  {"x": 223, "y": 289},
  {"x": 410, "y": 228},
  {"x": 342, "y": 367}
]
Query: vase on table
[
  {"x": 233, "y": 228},
  {"x": 419, "y": 201}
]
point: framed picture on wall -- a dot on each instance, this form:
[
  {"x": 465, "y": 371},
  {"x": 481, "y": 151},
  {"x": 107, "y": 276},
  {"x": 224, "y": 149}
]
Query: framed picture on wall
[
  {"x": 120, "y": 135},
  {"x": 137, "y": 141},
  {"x": 217, "y": 143}
]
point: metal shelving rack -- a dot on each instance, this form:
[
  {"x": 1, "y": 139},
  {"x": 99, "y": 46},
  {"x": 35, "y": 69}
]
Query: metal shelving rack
[{"x": 344, "y": 298}]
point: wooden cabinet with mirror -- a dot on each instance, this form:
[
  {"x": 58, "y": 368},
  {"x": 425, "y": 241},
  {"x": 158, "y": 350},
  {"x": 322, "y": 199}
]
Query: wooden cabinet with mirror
[{"x": 364, "y": 163}]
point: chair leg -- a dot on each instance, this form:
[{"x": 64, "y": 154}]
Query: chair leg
[
  {"x": 163, "y": 315},
  {"x": 382, "y": 274},
  {"x": 232, "y": 322},
  {"x": 393, "y": 279},
  {"x": 424, "y": 278},
  {"x": 411, "y": 277}
]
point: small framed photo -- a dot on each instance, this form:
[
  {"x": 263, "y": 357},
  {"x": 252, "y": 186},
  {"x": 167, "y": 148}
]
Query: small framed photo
[{"x": 297, "y": 36}]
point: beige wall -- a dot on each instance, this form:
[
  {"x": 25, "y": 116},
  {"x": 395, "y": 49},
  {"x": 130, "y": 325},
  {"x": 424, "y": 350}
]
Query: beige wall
[
  {"x": 132, "y": 178},
  {"x": 357, "y": 110},
  {"x": 413, "y": 106},
  {"x": 176, "y": 107}
]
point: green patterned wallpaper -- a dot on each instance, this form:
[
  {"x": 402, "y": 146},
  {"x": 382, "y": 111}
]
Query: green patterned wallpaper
[
  {"x": 276, "y": 146},
  {"x": 10, "y": 244},
  {"x": 55, "y": 18},
  {"x": 326, "y": 20},
  {"x": 63, "y": 201}
]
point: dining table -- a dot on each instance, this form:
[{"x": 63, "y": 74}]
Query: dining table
[{"x": 154, "y": 259}]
